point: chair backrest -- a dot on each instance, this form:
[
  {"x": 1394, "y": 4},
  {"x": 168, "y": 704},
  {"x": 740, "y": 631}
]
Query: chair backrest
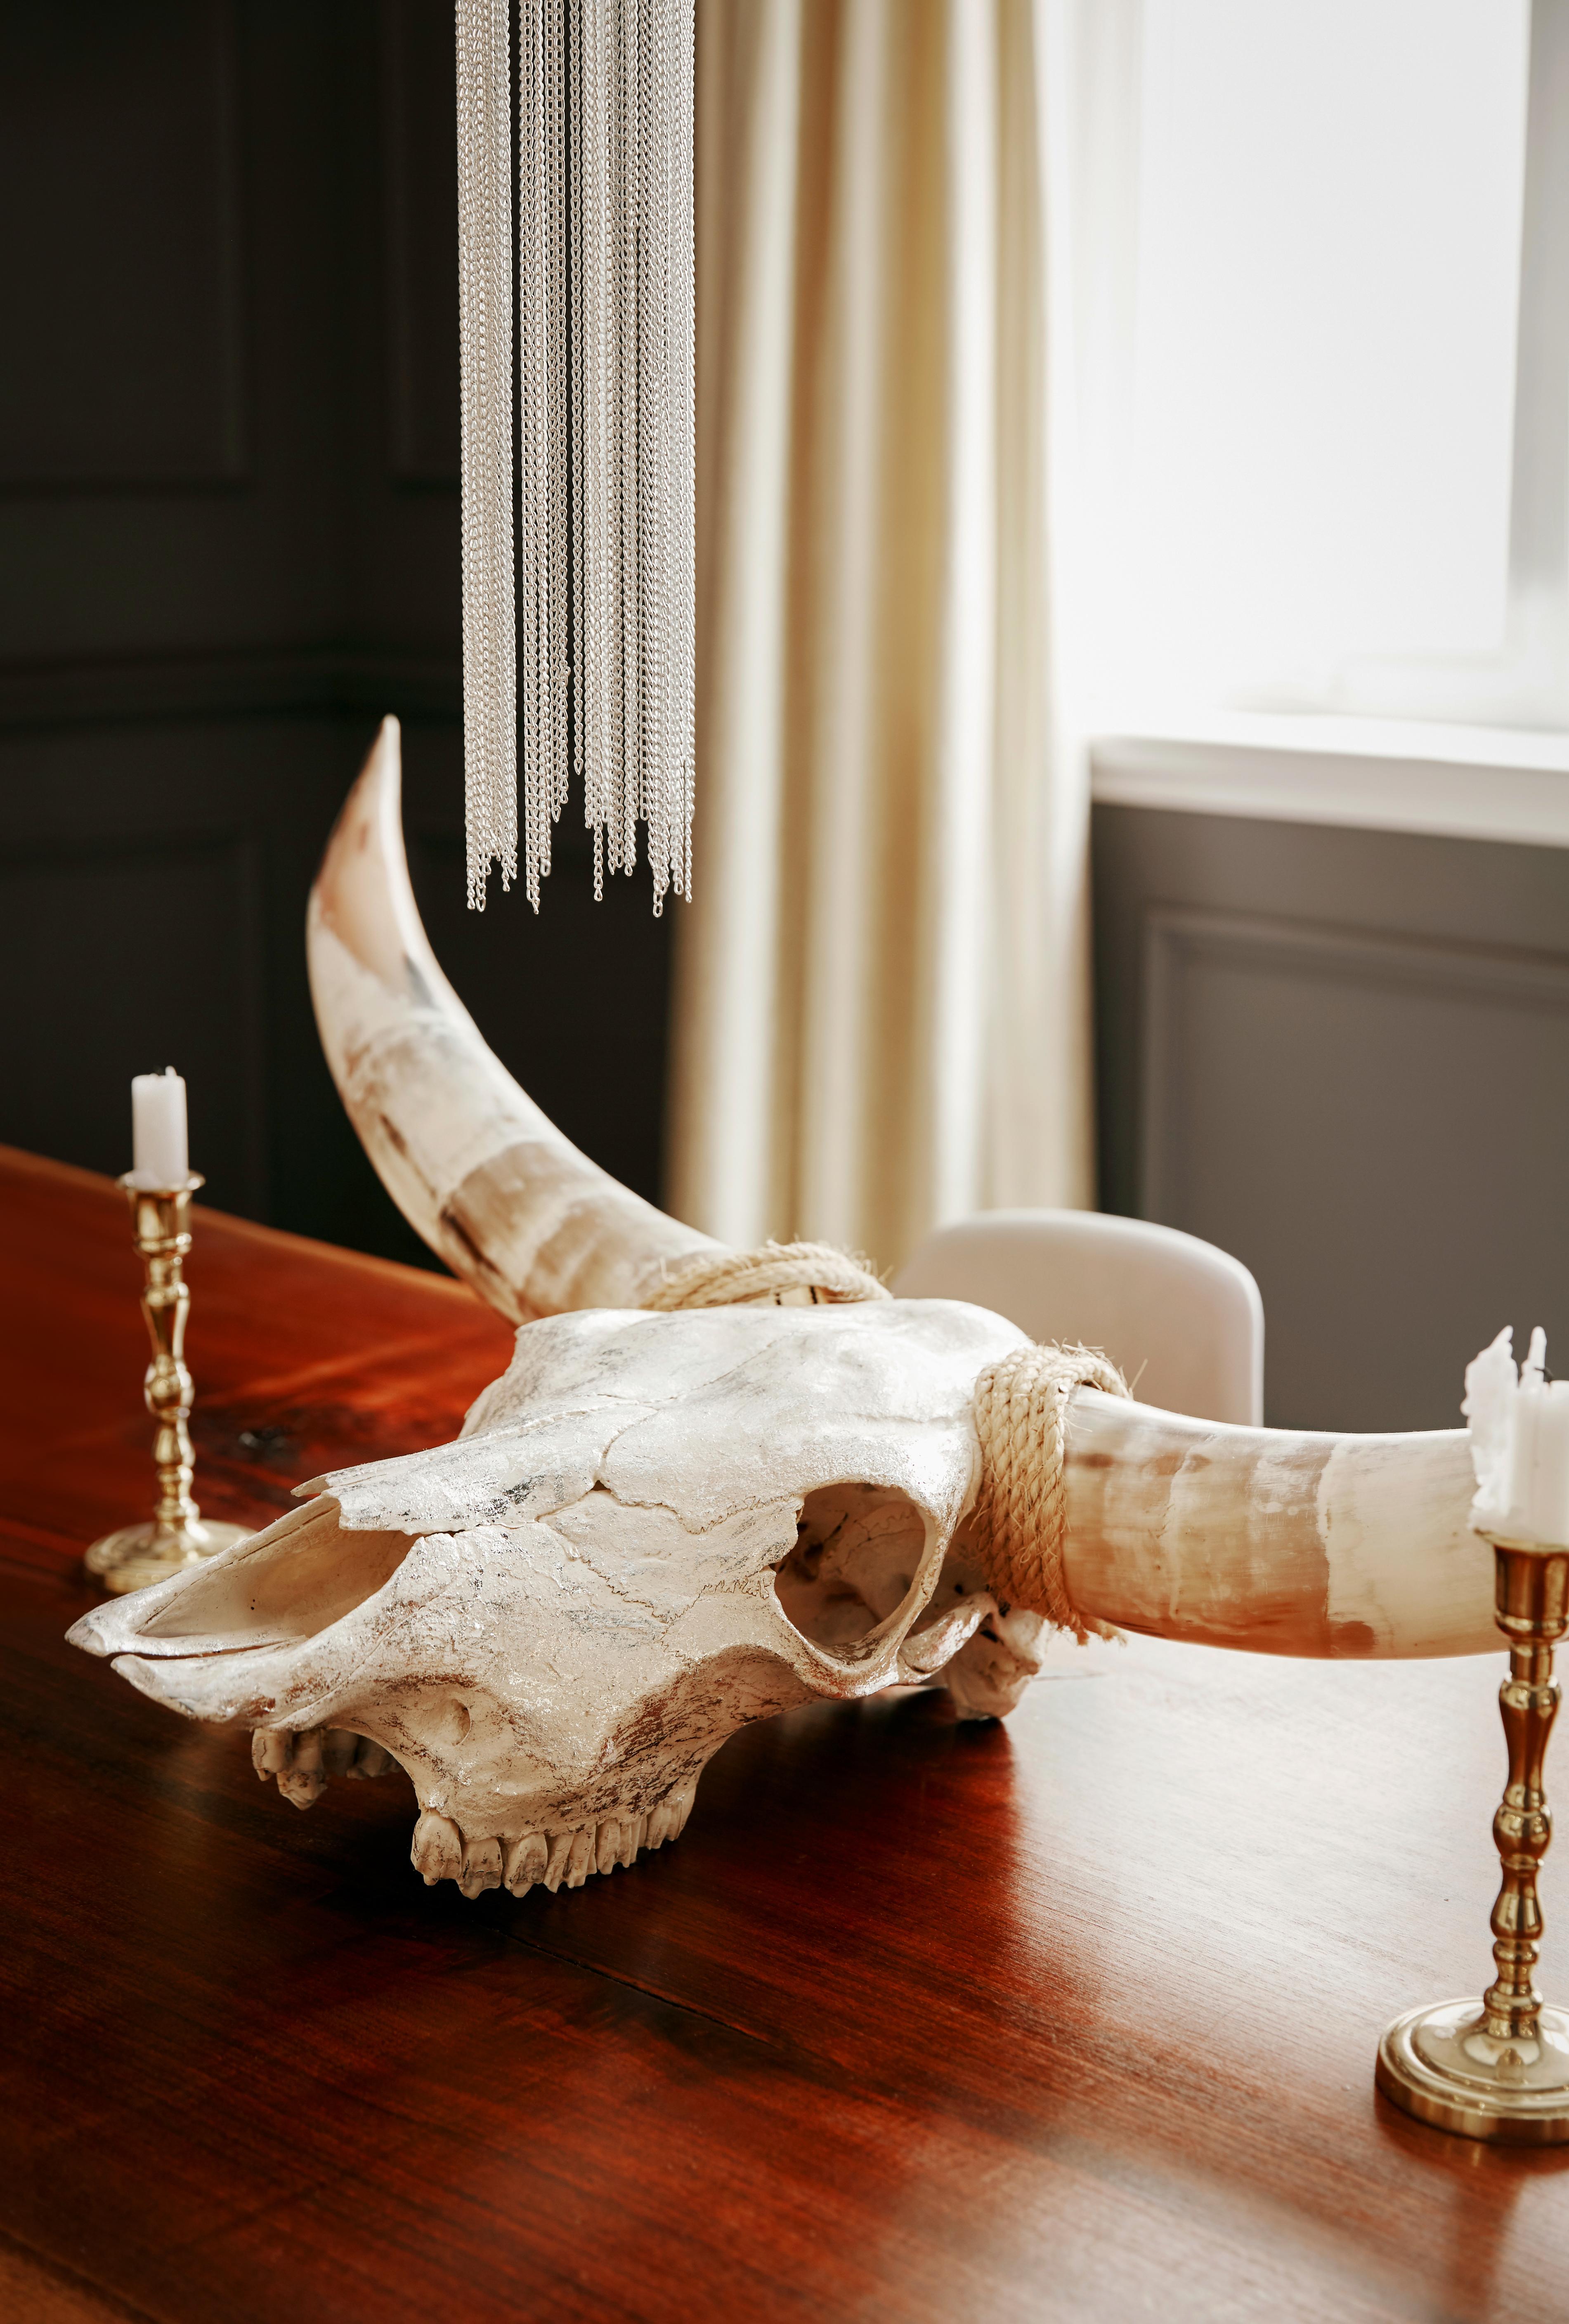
[{"x": 1182, "y": 1320}]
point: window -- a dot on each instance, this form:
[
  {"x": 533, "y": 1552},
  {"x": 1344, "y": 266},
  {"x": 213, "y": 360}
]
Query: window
[{"x": 1331, "y": 464}]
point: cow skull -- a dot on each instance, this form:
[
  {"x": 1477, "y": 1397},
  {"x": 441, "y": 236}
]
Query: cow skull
[
  {"x": 657, "y": 1526},
  {"x": 652, "y": 1530}
]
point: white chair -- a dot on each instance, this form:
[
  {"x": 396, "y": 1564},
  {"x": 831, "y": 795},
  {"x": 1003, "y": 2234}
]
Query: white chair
[{"x": 1182, "y": 1320}]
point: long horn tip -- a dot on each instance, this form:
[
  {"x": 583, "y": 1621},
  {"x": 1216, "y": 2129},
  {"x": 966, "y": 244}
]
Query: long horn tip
[{"x": 362, "y": 893}]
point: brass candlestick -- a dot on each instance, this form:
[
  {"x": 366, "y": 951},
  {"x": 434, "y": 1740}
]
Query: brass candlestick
[
  {"x": 175, "y": 1535},
  {"x": 1499, "y": 2067}
]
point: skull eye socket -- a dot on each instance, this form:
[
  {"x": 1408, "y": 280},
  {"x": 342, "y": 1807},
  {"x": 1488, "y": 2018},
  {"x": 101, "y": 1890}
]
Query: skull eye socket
[{"x": 859, "y": 1554}]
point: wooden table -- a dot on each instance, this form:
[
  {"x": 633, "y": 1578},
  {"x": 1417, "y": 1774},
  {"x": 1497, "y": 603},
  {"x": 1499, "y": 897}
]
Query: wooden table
[{"x": 1068, "y": 2017}]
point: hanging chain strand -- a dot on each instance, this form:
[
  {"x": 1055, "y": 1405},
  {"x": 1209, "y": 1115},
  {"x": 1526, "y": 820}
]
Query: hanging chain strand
[
  {"x": 486, "y": 331},
  {"x": 583, "y": 657}
]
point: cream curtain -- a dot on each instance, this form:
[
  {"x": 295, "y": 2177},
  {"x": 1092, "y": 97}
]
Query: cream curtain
[{"x": 882, "y": 990}]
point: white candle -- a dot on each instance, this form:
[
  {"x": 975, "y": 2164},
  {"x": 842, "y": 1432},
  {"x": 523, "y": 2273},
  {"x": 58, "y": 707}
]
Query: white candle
[
  {"x": 1544, "y": 1465},
  {"x": 159, "y": 1156},
  {"x": 1520, "y": 1474},
  {"x": 1519, "y": 1442}
]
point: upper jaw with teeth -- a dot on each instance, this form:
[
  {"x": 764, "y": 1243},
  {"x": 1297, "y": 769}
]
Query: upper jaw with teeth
[
  {"x": 548, "y": 1859},
  {"x": 655, "y": 1529},
  {"x": 554, "y": 1856}
]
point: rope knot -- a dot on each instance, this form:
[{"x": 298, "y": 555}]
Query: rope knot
[
  {"x": 832, "y": 1277},
  {"x": 1021, "y": 1513}
]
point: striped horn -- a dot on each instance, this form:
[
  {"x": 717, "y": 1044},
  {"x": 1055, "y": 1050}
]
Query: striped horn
[
  {"x": 1278, "y": 1540},
  {"x": 474, "y": 1167}
]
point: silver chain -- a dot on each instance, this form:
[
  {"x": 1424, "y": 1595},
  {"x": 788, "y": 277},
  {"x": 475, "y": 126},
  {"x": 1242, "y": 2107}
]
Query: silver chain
[
  {"x": 484, "y": 243},
  {"x": 602, "y": 678}
]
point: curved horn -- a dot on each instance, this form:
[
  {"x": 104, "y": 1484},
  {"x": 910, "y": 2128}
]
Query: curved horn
[
  {"x": 1279, "y": 1541},
  {"x": 472, "y": 1162}
]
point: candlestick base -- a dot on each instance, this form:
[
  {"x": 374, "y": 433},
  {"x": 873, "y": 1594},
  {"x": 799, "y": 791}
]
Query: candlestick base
[
  {"x": 1442, "y": 2066},
  {"x": 135, "y": 1556}
]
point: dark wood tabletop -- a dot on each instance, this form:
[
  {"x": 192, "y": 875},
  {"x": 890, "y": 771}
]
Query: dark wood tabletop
[{"x": 1072, "y": 2016}]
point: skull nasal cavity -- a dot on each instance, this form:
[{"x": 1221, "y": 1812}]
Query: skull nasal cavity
[
  {"x": 291, "y": 1582},
  {"x": 858, "y": 1550}
]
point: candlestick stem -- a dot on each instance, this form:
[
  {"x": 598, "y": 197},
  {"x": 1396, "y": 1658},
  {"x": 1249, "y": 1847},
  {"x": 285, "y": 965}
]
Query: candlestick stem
[
  {"x": 1531, "y": 1613},
  {"x": 1498, "y": 2068},
  {"x": 135, "y": 1555}
]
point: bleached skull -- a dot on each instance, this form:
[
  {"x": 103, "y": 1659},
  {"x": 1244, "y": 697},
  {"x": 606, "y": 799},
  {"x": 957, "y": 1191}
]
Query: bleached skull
[
  {"x": 653, "y": 1529},
  {"x": 657, "y": 1526}
]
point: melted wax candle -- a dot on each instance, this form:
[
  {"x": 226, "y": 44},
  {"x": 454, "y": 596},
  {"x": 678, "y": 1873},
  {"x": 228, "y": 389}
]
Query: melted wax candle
[
  {"x": 159, "y": 1155},
  {"x": 1519, "y": 1443}
]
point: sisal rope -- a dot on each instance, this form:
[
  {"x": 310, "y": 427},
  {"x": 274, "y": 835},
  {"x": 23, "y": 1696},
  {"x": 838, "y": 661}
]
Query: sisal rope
[
  {"x": 832, "y": 1277},
  {"x": 1021, "y": 1512}
]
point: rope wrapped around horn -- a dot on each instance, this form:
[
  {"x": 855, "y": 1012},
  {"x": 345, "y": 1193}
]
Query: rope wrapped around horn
[
  {"x": 1020, "y": 1514},
  {"x": 826, "y": 1276}
]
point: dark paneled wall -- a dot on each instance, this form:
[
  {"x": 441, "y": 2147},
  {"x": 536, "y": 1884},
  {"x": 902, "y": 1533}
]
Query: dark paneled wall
[
  {"x": 228, "y": 541},
  {"x": 1345, "y": 1057}
]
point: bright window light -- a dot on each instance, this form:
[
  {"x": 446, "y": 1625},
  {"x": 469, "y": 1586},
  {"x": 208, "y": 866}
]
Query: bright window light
[{"x": 1318, "y": 427}]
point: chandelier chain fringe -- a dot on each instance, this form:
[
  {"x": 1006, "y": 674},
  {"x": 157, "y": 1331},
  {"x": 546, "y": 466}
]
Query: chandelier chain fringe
[{"x": 582, "y": 662}]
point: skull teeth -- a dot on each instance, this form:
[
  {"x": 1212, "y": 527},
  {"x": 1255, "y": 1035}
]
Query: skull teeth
[
  {"x": 482, "y": 1866},
  {"x": 526, "y": 1862},
  {"x": 302, "y": 1764},
  {"x": 552, "y": 1860}
]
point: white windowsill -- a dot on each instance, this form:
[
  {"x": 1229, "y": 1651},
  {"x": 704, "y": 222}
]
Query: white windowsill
[{"x": 1467, "y": 782}]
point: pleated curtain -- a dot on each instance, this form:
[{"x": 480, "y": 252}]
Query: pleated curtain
[{"x": 882, "y": 1012}]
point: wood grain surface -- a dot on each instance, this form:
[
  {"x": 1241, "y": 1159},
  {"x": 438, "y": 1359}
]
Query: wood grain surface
[{"x": 1068, "y": 2017}]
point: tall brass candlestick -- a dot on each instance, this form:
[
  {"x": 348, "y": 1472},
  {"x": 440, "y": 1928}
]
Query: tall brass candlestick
[
  {"x": 1498, "y": 2068},
  {"x": 176, "y": 1535}
]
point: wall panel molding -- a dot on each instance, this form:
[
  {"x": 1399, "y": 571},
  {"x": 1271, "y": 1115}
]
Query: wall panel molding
[
  {"x": 419, "y": 242},
  {"x": 308, "y": 678},
  {"x": 1177, "y": 940},
  {"x": 122, "y": 127},
  {"x": 1344, "y": 1055}
]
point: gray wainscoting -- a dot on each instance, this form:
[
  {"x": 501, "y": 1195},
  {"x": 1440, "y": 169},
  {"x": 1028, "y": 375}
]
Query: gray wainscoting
[
  {"x": 1344, "y": 1055},
  {"x": 229, "y": 543}
]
